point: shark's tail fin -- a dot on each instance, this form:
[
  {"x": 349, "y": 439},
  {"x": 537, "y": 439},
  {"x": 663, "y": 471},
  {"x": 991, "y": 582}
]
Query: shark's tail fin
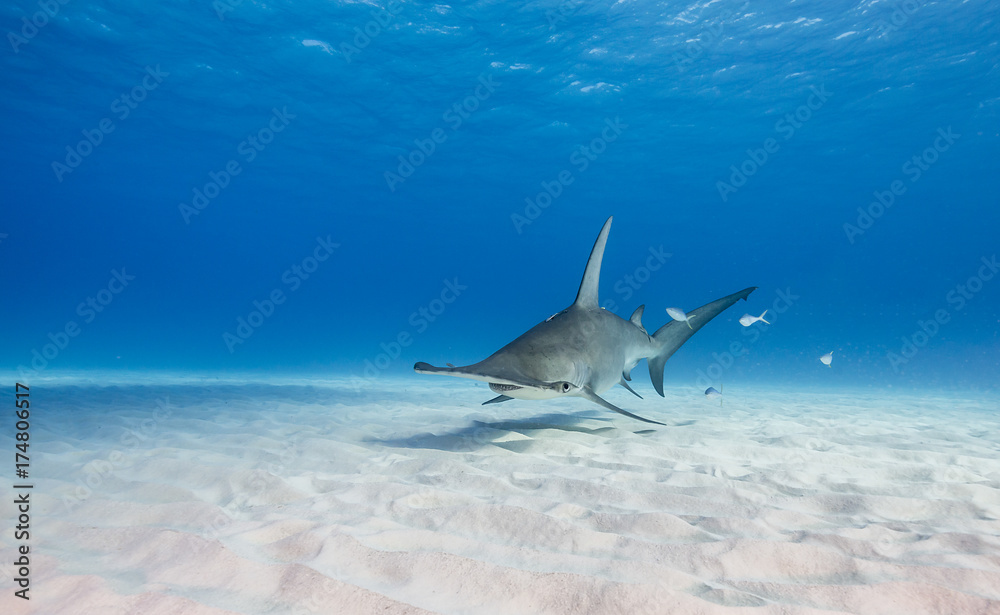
[{"x": 670, "y": 336}]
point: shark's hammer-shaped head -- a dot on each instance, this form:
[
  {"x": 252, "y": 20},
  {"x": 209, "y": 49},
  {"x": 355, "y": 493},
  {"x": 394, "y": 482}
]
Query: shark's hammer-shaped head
[{"x": 505, "y": 380}]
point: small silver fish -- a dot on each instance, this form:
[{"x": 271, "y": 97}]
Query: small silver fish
[
  {"x": 746, "y": 320},
  {"x": 679, "y": 315}
]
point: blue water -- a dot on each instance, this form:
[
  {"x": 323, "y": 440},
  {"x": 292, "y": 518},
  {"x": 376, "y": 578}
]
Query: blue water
[{"x": 822, "y": 105}]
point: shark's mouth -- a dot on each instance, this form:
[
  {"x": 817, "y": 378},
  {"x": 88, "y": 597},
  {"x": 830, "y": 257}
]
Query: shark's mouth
[{"x": 503, "y": 388}]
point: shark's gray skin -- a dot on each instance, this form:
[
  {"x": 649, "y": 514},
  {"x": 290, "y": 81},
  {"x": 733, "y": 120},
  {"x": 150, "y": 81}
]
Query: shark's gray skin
[{"x": 584, "y": 350}]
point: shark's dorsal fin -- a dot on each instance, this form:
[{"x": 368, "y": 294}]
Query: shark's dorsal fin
[
  {"x": 586, "y": 297},
  {"x": 637, "y": 318}
]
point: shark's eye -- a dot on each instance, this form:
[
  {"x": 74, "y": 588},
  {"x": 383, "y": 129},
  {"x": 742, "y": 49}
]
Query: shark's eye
[{"x": 565, "y": 387}]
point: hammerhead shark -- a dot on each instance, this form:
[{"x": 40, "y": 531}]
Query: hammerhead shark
[{"x": 584, "y": 350}]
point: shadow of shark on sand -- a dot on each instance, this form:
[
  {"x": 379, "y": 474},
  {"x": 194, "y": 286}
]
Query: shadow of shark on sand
[{"x": 481, "y": 434}]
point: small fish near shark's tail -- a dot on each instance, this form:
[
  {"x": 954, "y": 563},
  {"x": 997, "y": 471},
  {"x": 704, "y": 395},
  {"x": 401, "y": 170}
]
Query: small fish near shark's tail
[{"x": 672, "y": 335}]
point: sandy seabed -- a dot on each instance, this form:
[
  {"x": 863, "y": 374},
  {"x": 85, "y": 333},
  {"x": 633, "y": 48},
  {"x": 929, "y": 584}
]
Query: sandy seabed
[{"x": 211, "y": 497}]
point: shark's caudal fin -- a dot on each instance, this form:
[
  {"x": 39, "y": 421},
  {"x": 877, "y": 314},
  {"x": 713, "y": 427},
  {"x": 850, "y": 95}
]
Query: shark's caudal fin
[
  {"x": 586, "y": 297},
  {"x": 672, "y": 335}
]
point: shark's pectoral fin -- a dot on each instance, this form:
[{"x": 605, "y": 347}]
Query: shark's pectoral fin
[
  {"x": 587, "y": 393},
  {"x": 498, "y": 399},
  {"x": 628, "y": 388}
]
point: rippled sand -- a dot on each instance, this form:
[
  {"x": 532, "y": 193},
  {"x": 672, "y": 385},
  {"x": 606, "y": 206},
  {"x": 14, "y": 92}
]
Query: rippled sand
[{"x": 196, "y": 497}]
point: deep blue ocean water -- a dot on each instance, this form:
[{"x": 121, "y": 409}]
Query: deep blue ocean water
[{"x": 170, "y": 164}]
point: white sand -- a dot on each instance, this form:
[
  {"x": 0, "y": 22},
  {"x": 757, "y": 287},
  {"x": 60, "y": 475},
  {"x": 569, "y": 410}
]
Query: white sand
[{"x": 415, "y": 499}]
